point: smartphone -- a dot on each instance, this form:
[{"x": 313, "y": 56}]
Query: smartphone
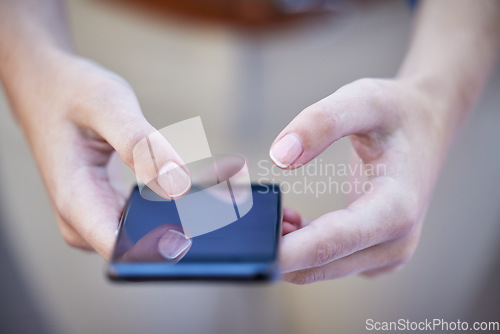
[{"x": 245, "y": 249}]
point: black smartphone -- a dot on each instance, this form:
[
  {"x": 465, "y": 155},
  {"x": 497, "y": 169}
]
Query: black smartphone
[{"x": 245, "y": 249}]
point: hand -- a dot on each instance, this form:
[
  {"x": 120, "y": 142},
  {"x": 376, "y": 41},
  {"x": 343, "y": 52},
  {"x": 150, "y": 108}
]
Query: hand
[
  {"x": 391, "y": 123},
  {"x": 75, "y": 115}
]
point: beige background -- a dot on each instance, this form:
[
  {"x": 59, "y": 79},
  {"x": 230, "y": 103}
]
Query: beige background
[{"x": 246, "y": 87}]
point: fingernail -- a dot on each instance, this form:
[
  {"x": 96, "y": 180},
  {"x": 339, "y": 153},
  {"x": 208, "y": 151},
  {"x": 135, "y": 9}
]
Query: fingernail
[
  {"x": 172, "y": 244},
  {"x": 174, "y": 180},
  {"x": 286, "y": 151}
]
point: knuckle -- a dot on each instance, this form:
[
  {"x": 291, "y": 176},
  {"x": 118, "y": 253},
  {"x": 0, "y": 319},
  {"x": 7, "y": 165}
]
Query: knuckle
[
  {"x": 65, "y": 215},
  {"x": 378, "y": 95},
  {"x": 132, "y": 143},
  {"x": 112, "y": 85},
  {"x": 374, "y": 90},
  {"x": 308, "y": 276},
  {"x": 404, "y": 227},
  {"x": 402, "y": 259},
  {"x": 404, "y": 255},
  {"x": 73, "y": 240},
  {"x": 367, "y": 84},
  {"x": 403, "y": 250},
  {"x": 325, "y": 252},
  {"x": 408, "y": 222},
  {"x": 70, "y": 237},
  {"x": 63, "y": 205},
  {"x": 298, "y": 278},
  {"x": 406, "y": 214},
  {"x": 326, "y": 120}
]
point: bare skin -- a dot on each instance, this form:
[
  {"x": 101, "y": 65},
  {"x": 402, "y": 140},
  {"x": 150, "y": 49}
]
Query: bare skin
[
  {"x": 406, "y": 124},
  {"x": 75, "y": 114}
]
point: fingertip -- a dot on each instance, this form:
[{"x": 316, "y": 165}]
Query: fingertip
[
  {"x": 288, "y": 228},
  {"x": 286, "y": 150},
  {"x": 173, "y": 244},
  {"x": 291, "y": 216}
]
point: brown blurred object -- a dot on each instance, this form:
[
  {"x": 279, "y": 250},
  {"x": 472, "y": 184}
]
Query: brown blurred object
[{"x": 250, "y": 13}]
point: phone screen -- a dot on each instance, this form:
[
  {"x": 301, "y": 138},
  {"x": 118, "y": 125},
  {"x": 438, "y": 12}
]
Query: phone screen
[{"x": 245, "y": 248}]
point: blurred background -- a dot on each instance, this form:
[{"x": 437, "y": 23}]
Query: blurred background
[{"x": 247, "y": 81}]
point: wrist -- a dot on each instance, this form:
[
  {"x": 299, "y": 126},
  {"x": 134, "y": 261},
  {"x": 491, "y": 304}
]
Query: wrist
[
  {"x": 449, "y": 99},
  {"x": 21, "y": 72}
]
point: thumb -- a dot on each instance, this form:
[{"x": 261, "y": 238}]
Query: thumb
[
  {"x": 341, "y": 114},
  {"x": 166, "y": 243},
  {"x": 148, "y": 154}
]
